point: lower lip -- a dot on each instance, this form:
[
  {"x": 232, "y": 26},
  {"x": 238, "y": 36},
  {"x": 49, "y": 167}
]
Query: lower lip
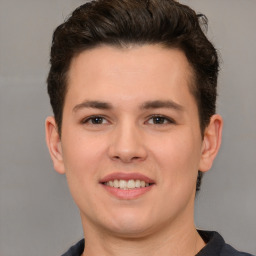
[{"x": 127, "y": 194}]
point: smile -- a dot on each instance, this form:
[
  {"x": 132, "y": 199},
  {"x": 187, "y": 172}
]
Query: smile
[{"x": 129, "y": 184}]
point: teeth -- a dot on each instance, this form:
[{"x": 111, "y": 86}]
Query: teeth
[
  {"x": 122, "y": 184},
  {"x": 130, "y": 184},
  {"x": 137, "y": 183},
  {"x": 116, "y": 183}
]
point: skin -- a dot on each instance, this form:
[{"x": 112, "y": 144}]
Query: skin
[{"x": 127, "y": 138}]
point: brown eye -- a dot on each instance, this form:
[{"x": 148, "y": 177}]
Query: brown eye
[
  {"x": 95, "y": 120},
  {"x": 158, "y": 120}
]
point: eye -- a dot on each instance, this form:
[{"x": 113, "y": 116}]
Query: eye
[
  {"x": 95, "y": 120},
  {"x": 158, "y": 120}
]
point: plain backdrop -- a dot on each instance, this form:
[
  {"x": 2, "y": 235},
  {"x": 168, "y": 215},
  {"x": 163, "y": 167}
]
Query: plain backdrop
[{"x": 37, "y": 214}]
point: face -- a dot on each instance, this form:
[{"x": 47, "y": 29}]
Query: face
[{"x": 131, "y": 145}]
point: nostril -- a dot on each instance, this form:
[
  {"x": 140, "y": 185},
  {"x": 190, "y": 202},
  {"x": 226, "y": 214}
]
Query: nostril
[{"x": 127, "y": 150}]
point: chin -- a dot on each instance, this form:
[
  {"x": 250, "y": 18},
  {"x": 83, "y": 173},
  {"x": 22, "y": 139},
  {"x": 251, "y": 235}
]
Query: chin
[
  {"x": 126, "y": 230},
  {"x": 131, "y": 225}
]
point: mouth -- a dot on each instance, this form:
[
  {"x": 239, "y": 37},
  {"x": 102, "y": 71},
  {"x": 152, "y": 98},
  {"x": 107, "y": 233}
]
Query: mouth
[{"x": 127, "y": 184}]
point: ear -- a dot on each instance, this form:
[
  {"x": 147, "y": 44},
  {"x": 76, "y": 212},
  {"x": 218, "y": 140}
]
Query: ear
[
  {"x": 54, "y": 144},
  {"x": 211, "y": 142}
]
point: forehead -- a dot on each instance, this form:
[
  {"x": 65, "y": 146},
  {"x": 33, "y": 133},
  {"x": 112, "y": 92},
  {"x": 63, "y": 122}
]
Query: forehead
[{"x": 106, "y": 69}]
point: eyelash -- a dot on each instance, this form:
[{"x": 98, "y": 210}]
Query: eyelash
[
  {"x": 101, "y": 119},
  {"x": 89, "y": 120},
  {"x": 165, "y": 119}
]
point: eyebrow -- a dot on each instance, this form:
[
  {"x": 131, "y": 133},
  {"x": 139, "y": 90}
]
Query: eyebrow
[
  {"x": 162, "y": 104},
  {"x": 147, "y": 105},
  {"x": 93, "y": 104}
]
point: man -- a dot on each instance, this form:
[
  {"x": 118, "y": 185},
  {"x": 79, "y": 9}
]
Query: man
[{"x": 132, "y": 85}]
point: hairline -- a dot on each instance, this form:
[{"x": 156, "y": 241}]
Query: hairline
[{"x": 191, "y": 75}]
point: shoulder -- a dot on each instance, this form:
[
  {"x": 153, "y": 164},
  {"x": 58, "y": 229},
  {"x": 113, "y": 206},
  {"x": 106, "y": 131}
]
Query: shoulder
[
  {"x": 228, "y": 250},
  {"x": 216, "y": 246},
  {"x": 75, "y": 250}
]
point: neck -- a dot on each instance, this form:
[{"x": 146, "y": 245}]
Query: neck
[{"x": 182, "y": 240}]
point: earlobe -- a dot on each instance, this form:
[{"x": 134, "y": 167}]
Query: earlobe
[
  {"x": 54, "y": 144},
  {"x": 211, "y": 142}
]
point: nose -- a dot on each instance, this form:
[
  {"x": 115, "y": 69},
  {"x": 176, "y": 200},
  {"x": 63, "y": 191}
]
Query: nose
[{"x": 127, "y": 144}]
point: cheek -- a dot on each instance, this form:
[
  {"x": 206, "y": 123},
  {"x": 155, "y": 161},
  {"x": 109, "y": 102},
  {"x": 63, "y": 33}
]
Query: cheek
[
  {"x": 82, "y": 153},
  {"x": 82, "y": 163},
  {"x": 178, "y": 157}
]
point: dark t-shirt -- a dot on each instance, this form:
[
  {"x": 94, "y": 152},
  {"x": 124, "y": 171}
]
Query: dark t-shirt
[{"x": 215, "y": 246}]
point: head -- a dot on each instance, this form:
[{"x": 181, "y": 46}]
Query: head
[
  {"x": 133, "y": 88},
  {"x": 125, "y": 23}
]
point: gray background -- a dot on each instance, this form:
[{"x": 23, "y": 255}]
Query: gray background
[{"x": 37, "y": 214}]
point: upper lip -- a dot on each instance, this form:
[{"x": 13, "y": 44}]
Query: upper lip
[{"x": 126, "y": 176}]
